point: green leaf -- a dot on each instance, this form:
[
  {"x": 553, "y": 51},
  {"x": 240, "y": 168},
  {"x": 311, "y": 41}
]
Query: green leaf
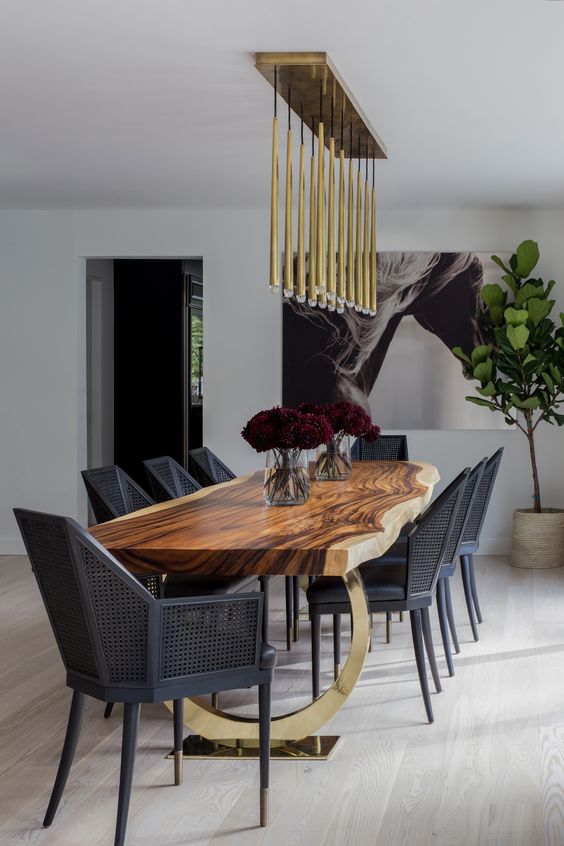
[
  {"x": 529, "y": 360},
  {"x": 459, "y": 353},
  {"x": 510, "y": 282},
  {"x": 485, "y": 403},
  {"x": 483, "y": 370},
  {"x": 515, "y": 317},
  {"x": 557, "y": 376},
  {"x": 488, "y": 390},
  {"x": 558, "y": 418},
  {"x": 538, "y": 309},
  {"x": 549, "y": 286},
  {"x": 530, "y": 403},
  {"x": 526, "y": 292},
  {"x": 493, "y": 295},
  {"x": 481, "y": 353},
  {"x": 499, "y": 263},
  {"x": 496, "y": 314},
  {"x": 548, "y": 380},
  {"x": 518, "y": 336},
  {"x": 527, "y": 258}
]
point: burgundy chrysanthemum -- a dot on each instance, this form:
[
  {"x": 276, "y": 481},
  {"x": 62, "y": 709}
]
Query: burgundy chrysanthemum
[{"x": 286, "y": 428}]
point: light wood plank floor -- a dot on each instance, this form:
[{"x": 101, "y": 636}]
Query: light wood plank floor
[{"x": 489, "y": 771}]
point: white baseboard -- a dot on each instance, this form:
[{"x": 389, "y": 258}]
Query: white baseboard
[
  {"x": 495, "y": 546},
  {"x": 11, "y": 546}
]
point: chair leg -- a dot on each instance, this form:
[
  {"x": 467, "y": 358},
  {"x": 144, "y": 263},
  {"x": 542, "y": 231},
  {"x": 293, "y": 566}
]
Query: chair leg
[
  {"x": 264, "y": 749},
  {"x": 130, "y": 722},
  {"x": 178, "y": 717},
  {"x": 464, "y": 569},
  {"x": 429, "y": 648},
  {"x": 296, "y": 607},
  {"x": 69, "y": 747},
  {"x": 443, "y": 623},
  {"x": 289, "y": 612},
  {"x": 215, "y": 701},
  {"x": 401, "y": 616},
  {"x": 450, "y": 617},
  {"x": 336, "y": 645},
  {"x": 474, "y": 588},
  {"x": 108, "y": 710},
  {"x": 315, "y": 653},
  {"x": 388, "y": 627},
  {"x": 265, "y": 590},
  {"x": 420, "y": 661}
]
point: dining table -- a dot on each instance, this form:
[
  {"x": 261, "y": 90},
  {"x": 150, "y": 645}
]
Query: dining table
[{"x": 228, "y": 530}]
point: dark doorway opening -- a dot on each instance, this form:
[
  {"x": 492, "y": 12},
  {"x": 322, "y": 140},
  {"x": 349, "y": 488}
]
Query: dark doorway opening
[{"x": 158, "y": 382}]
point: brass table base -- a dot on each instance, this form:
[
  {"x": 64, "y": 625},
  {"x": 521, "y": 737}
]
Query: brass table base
[{"x": 316, "y": 747}]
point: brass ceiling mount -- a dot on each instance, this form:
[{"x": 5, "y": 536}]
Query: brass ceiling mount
[{"x": 305, "y": 75}]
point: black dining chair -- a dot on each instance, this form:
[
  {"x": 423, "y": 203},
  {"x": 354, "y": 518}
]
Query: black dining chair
[
  {"x": 168, "y": 479},
  {"x": 471, "y": 538},
  {"x": 404, "y": 586},
  {"x": 208, "y": 469},
  {"x": 121, "y": 644},
  {"x": 384, "y": 448},
  {"x": 112, "y": 493}
]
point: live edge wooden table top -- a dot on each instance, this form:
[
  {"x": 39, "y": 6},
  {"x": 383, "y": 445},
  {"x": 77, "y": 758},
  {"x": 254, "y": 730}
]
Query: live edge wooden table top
[{"x": 228, "y": 530}]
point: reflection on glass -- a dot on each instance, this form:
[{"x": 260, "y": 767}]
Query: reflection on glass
[{"x": 196, "y": 357}]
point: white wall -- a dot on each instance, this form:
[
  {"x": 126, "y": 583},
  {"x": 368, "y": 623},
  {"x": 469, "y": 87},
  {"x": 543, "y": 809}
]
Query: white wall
[{"x": 43, "y": 346}]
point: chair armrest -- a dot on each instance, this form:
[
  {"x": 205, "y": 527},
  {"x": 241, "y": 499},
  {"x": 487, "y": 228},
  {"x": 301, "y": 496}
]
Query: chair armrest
[{"x": 202, "y": 635}]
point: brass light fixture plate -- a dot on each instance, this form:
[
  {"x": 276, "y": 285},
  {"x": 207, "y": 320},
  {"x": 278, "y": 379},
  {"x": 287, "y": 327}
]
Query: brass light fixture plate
[{"x": 304, "y": 73}]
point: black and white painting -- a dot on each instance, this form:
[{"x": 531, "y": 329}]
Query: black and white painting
[{"x": 398, "y": 364}]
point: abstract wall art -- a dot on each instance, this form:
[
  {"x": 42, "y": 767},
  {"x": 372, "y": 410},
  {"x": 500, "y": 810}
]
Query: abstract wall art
[{"x": 399, "y": 364}]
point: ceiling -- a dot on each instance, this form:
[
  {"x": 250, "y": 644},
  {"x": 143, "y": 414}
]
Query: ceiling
[{"x": 131, "y": 103}]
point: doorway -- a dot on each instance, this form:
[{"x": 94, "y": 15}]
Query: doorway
[{"x": 145, "y": 367}]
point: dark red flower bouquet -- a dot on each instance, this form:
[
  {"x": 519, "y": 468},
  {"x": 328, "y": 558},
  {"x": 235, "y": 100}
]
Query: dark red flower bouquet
[
  {"x": 286, "y": 434},
  {"x": 346, "y": 419}
]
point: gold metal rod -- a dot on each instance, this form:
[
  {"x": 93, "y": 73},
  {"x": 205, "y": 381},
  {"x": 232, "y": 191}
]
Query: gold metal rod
[
  {"x": 366, "y": 251},
  {"x": 358, "y": 258},
  {"x": 311, "y": 295},
  {"x": 320, "y": 252},
  {"x": 331, "y": 269},
  {"x": 301, "y": 273},
  {"x": 341, "y": 235},
  {"x": 350, "y": 239},
  {"x": 288, "y": 239},
  {"x": 373, "y": 258},
  {"x": 274, "y": 247}
]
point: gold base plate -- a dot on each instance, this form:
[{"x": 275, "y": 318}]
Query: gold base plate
[{"x": 316, "y": 747}]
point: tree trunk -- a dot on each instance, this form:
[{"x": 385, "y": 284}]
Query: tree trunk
[{"x": 536, "y": 486}]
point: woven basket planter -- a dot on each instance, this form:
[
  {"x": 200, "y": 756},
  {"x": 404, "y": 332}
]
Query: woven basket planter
[{"x": 537, "y": 539}]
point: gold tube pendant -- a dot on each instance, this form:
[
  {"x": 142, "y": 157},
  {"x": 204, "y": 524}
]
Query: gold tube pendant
[
  {"x": 301, "y": 273},
  {"x": 320, "y": 252},
  {"x": 331, "y": 267},
  {"x": 350, "y": 239},
  {"x": 274, "y": 247},
  {"x": 311, "y": 293},
  {"x": 288, "y": 239},
  {"x": 373, "y": 291},
  {"x": 341, "y": 236},
  {"x": 322, "y": 299},
  {"x": 358, "y": 288},
  {"x": 366, "y": 251}
]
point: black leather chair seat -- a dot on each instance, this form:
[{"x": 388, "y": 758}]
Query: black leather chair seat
[
  {"x": 179, "y": 585},
  {"x": 382, "y": 583}
]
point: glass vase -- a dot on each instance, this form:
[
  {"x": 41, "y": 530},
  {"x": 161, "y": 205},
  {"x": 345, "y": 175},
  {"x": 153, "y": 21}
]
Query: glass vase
[
  {"x": 333, "y": 462},
  {"x": 286, "y": 478}
]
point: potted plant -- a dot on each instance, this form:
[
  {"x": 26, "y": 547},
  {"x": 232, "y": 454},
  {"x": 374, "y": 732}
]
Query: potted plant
[
  {"x": 521, "y": 375},
  {"x": 333, "y": 460},
  {"x": 286, "y": 434}
]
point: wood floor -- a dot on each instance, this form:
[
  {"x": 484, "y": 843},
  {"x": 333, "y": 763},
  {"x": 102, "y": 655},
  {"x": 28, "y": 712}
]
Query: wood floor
[{"x": 489, "y": 771}]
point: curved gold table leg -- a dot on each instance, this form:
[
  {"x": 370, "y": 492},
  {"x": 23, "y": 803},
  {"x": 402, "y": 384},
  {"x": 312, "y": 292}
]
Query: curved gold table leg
[{"x": 240, "y": 732}]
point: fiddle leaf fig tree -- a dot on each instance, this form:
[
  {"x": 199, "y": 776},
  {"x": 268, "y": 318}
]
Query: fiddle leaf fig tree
[{"x": 520, "y": 370}]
